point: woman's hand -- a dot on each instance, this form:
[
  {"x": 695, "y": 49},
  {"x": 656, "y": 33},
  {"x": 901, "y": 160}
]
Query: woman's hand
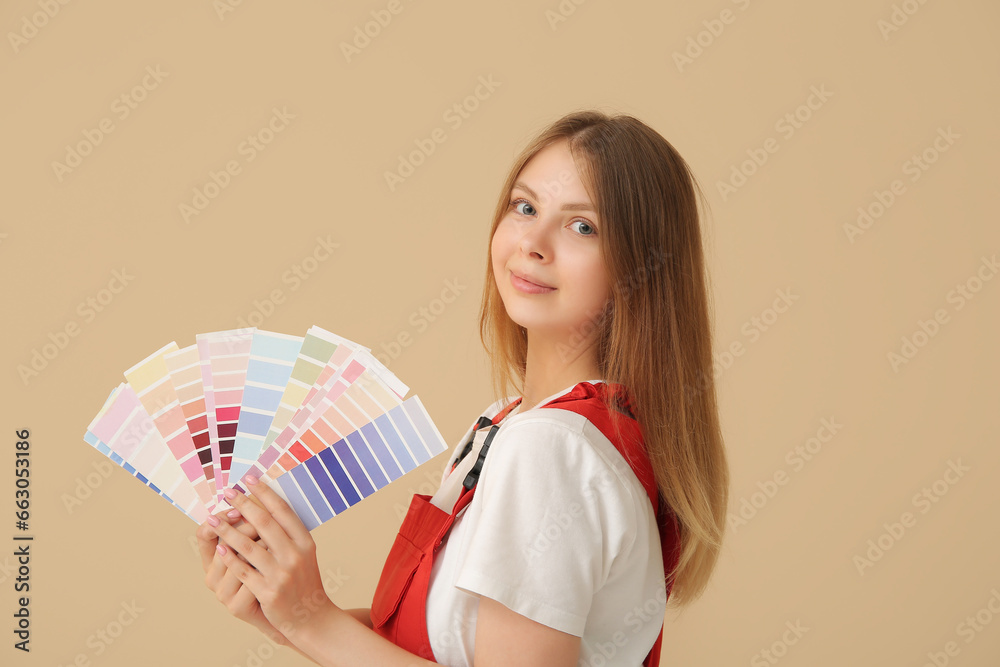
[
  {"x": 280, "y": 570},
  {"x": 229, "y": 590}
]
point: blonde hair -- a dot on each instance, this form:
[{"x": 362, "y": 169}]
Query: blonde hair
[{"x": 655, "y": 336}]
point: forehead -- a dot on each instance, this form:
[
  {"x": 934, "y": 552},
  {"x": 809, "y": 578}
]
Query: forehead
[{"x": 554, "y": 177}]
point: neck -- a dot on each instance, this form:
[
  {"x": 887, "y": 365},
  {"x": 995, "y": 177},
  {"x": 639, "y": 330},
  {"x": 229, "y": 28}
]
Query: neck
[{"x": 551, "y": 366}]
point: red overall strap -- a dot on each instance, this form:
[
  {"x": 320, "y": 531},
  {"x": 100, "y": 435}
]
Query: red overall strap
[
  {"x": 483, "y": 422},
  {"x": 399, "y": 606},
  {"x": 398, "y": 610},
  {"x": 588, "y": 400},
  {"x": 465, "y": 497}
]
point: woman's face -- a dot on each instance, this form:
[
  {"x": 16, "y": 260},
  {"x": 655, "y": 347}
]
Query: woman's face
[{"x": 550, "y": 235}]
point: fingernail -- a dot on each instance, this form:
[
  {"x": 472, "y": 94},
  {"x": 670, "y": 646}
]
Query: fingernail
[
  {"x": 229, "y": 493},
  {"x": 250, "y": 479},
  {"x": 213, "y": 520},
  {"x": 221, "y": 549},
  {"x": 233, "y": 514}
]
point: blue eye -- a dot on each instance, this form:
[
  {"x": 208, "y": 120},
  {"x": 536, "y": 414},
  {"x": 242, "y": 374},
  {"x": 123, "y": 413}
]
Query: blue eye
[{"x": 514, "y": 203}]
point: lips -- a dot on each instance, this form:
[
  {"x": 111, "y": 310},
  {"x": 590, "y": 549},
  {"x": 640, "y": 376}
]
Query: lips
[{"x": 527, "y": 278}]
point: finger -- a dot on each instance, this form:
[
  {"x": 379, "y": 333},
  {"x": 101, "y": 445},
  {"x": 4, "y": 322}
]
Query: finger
[
  {"x": 208, "y": 538},
  {"x": 215, "y": 572},
  {"x": 282, "y": 513},
  {"x": 243, "y": 603},
  {"x": 217, "y": 568},
  {"x": 245, "y": 528},
  {"x": 243, "y": 525},
  {"x": 228, "y": 584},
  {"x": 267, "y": 526},
  {"x": 240, "y": 603},
  {"x": 248, "y": 575},
  {"x": 245, "y": 606},
  {"x": 233, "y": 542}
]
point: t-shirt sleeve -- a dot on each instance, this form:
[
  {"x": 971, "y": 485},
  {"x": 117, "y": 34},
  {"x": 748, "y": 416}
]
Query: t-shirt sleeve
[{"x": 549, "y": 517}]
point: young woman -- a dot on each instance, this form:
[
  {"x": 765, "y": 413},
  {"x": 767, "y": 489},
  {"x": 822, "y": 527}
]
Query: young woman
[{"x": 572, "y": 510}]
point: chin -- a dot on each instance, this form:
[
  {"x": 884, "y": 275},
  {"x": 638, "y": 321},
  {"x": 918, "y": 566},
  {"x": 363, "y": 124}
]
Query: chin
[{"x": 534, "y": 323}]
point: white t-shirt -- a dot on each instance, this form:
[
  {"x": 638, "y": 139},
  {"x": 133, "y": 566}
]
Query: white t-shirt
[{"x": 559, "y": 530}]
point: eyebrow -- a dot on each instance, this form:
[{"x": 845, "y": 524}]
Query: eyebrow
[{"x": 565, "y": 207}]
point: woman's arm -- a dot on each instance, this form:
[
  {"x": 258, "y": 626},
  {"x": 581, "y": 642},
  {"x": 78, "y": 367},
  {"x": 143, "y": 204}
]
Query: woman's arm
[
  {"x": 338, "y": 638},
  {"x": 280, "y": 577},
  {"x": 362, "y": 614},
  {"x": 335, "y": 637},
  {"x": 284, "y": 579},
  {"x": 505, "y": 637}
]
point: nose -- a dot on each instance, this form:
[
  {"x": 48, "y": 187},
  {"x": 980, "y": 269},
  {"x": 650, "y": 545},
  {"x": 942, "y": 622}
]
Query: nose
[{"x": 536, "y": 239}]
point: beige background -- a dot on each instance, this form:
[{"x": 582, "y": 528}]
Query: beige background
[{"x": 324, "y": 176}]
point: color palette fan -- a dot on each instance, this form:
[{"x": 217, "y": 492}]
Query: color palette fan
[{"x": 317, "y": 417}]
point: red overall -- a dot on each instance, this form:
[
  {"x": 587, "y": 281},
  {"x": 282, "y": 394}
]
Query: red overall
[{"x": 399, "y": 607}]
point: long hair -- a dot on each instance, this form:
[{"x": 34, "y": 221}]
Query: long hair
[{"x": 654, "y": 336}]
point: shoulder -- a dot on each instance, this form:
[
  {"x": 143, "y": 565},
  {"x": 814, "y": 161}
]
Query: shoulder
[
  {"x": 494, "y": 408},
  {"x": 561, "y": 455},
  {"x": 553, "y": 487},
  {"x": 561, "y": 436}
]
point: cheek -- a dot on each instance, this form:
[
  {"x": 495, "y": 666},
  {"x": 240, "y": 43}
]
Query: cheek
[
  {"x": 499, "y": 249},
  {"x": 598, "y": 291},
  {"x": 591, "y": 275},
  {"x": 497, "y": 259}
]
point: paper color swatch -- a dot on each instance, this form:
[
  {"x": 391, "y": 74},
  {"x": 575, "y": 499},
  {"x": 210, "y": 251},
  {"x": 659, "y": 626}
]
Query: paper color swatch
[{"x": 317, "y": 417}]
